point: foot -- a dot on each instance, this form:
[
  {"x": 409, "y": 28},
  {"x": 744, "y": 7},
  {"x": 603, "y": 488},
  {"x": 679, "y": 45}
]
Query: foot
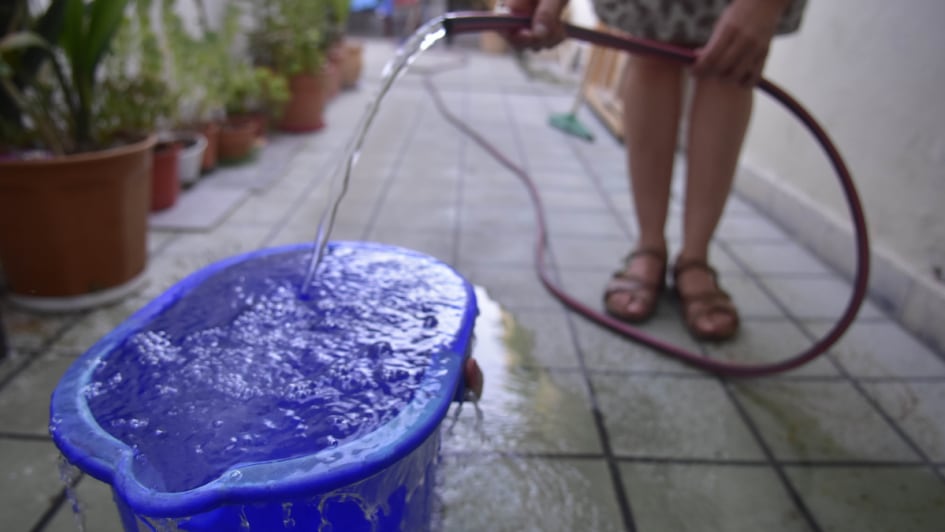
[
  {"x": 707, "y": 309},
  {"x": 632, "y": 294}
]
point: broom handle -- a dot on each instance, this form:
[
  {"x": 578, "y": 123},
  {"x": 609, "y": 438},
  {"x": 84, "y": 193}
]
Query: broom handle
[{"x": 579, "y": 99}]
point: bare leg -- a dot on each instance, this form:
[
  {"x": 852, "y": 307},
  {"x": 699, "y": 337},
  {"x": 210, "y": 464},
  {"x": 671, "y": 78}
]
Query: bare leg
[
  {"x": 718, "y": 122},
  {"x": 652, "y": 104}
]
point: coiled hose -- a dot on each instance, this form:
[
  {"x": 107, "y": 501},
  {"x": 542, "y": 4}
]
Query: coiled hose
[{"x": 456, "y": 23}]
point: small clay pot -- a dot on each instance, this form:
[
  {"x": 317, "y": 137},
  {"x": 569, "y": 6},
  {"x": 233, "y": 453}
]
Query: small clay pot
[
  {"x": 305, "y": 110},
  {"x": 237, "y": 138},
  {"x": 352, "y": 64},
  {"x": 165, "y": 176},
  {"x": 210, "y": 130}
]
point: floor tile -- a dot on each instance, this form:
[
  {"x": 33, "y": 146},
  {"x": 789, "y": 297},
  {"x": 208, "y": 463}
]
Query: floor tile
[
  {"x": 99, "y": 512},
  {"x": 872, "y": 500},
  {"x": 513, "y": 287},
  {"x": 738, "y": 225},
  {"x": 605, "y": 350},
  {"x": 709, "y": 497},
  {"x": 750, "y": 299},
  {"x": 437, "y": 244},
  {"x": 579, "y": 252},
  {"x": 881, "y": 349},
  {"x": 523, "y": 408},
  {"x": 816, "y": 421},
  {"x": 816, "y": 298},
  {"x": 481, "y": 196},
  {"x": 259, "y": 210},
  {"x": 541, "y": 337},
  {"x": 24, "y": 402},
  {"x": 507, "y": 494},
  {"x": 92, "y": 327},
  {"x": 30, "y": 482},
  {"x": 653, "y": 417},
  {"x": 591, "y": 225},
  {"x": 761, "y": 342},
  {"x": 486, "y": 248},
  {"x": 766, "y": 258},
  {"x": 223, "y": 243},
  {"x": 29, "y": 330},
  {"x": 917, "y": 407}
]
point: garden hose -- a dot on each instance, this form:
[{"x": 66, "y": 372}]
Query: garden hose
[{"x": 457, "y": 23}]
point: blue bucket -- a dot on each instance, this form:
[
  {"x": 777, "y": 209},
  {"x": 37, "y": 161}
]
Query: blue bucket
[{"x": 324, "y": 409}]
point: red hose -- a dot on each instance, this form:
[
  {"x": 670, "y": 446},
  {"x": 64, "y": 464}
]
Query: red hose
[{"x": 475, "y": 22}]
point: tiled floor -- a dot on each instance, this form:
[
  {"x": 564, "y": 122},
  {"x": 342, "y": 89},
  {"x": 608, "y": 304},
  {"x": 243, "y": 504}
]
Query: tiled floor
[{"x": 579, "y": 429}]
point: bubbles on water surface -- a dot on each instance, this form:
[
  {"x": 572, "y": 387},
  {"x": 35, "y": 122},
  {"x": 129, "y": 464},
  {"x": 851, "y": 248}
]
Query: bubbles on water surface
[{"x": 244, "y": 369}]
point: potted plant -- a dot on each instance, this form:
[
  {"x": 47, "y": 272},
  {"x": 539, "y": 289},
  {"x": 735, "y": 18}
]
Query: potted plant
[
  {"x": 348, "y": 53},
  {"x": 139, "y": 98},
  {"x": 197, "y": 65},
  {"x": 73, "y": 202},
  {"x": 256, "y": 94},
  {"x": 290, "y": 39}
]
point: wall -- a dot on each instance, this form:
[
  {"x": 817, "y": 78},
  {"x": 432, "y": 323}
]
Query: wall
[{"x": 872, "y": 72}]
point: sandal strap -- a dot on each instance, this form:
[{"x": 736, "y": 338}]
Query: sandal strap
[
  {"x": 685, "y": 265},
  {"x": 655, "y": 253}
]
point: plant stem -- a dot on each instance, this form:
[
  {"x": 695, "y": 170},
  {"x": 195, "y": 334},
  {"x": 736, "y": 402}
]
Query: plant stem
[{"x": 45, "y": 129}]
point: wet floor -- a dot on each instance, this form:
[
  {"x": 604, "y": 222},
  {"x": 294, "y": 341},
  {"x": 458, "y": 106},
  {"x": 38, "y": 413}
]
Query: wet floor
[{"x": 577, "y": 428}]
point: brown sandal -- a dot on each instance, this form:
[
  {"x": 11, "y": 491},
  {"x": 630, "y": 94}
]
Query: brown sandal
[
  {"x": 713, "y": 301},
  {"x": 625, "y": 282}
]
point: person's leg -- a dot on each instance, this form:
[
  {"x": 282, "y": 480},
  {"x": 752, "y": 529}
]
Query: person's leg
[
  {"x": 652, "y": 105},
  {"x": 718, "y": 121}
]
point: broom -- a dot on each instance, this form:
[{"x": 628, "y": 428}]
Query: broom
[{"x": 568, "y": 122}]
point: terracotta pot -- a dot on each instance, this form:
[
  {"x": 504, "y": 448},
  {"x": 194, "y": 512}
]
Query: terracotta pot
[
  {"x": 352, "y": 65},
  {"x": 259, "y": 119},
  {"x": 75, "y": 225},
  {"x": 237, "y": 138},
  {"x": 165, "y": 176},
  {"x": 305, "y": 109},
  {"x": 210, "y": 130},
  {"x": 332, "y": 80}
]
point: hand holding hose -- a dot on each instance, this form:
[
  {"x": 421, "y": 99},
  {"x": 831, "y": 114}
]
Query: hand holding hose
[
  {"x": 738, "y": 48},
  {"x": 546, "y": 31}
]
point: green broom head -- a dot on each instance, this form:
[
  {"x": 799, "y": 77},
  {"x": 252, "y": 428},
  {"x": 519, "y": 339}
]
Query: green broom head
[{"x": 572, "y": 126}]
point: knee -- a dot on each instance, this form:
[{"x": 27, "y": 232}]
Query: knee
[{"x": 649, "y": 66}]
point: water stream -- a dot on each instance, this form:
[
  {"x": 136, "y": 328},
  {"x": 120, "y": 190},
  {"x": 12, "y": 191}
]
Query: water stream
[
  {"x": 70, "y": 476},
  {"x": 419, "y": 42}
]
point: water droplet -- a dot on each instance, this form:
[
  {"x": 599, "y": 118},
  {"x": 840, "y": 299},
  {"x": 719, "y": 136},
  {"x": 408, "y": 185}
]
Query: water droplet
[
  {"x": 430, "y": 322},
  {"x": 235, "y": 475}
]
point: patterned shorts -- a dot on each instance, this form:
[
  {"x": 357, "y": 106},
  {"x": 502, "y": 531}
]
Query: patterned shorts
[{"x": 683, "y": 22}]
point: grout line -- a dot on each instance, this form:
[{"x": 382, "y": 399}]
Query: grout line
[
  {"x": 297, "y": 204},
  {"x": 57, "y": 502},
  {"x": 842, "y": 370},
  {"x": 620, "y": 492},
  {"x": 392, "y": 174},
  {"x": 44, "y": 348},
  {"x": 525, "y": 455},
  {"x": 792, "y": 492},
  {"x": 16, "y": 436},
  {"x": 665, "y": 460}
]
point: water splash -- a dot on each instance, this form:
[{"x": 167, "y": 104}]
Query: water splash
[
  {"x": 419, "y": 42},
  {"x": 242, "y": 369},
  {"x": 70, "y": 476}
]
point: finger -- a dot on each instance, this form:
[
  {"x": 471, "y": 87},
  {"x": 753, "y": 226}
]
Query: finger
[{"x": 708, "y": 58}]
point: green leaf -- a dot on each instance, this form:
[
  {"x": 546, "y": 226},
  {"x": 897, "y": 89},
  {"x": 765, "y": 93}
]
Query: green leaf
[
  {"x": 21, "y": 41},
  {"x": 73, "y": 30},
  {"x": 106, "y": 17}
]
